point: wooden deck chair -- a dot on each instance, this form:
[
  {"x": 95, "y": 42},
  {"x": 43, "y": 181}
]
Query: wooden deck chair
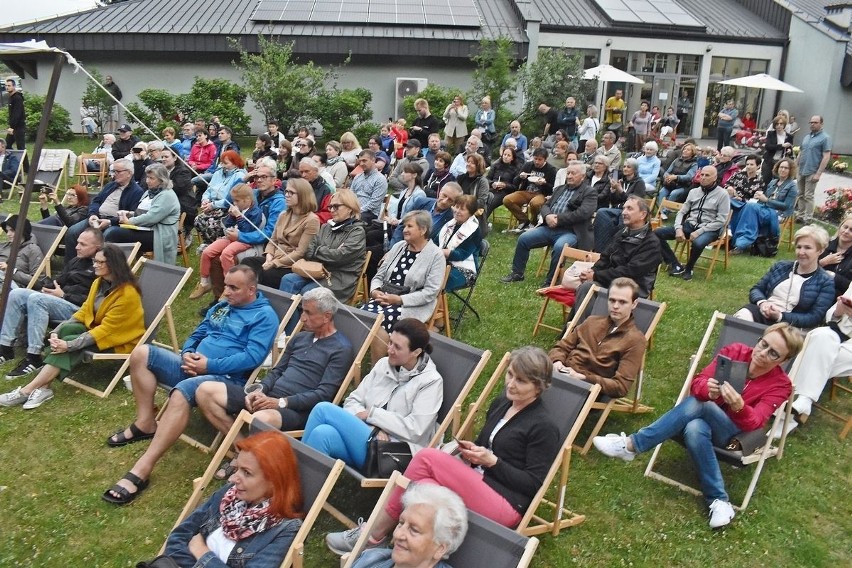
[
  {"x": 83, "y": 173},
  {"x": 317, "y": 472},
  {"x": 47, "y": 239},
  {"x": 742, "y": 331},
  {"x": 160, "y": 285},
  {"x": 646, "y": 315},
  {"x": 568, "y": 254},
  {"x": 846, "y": 419},
  {"x": 486, "y": 545},
  {"x": 181, "y": 246},
  {"x": 657, "y": 220},
  {"x": 130, "y": 250},
  {"x": 788, "y": 229},
  {"x": 362, "y": 287},
  {"x": 51, "y": 170},
  {"x": 484, "y": 249},
  {"x": 722, "y": 244},
  {"x": 442, "y": 309},
  {"x": 568, "y": 401},
  {"x": 18, "y": 173},
  {"x": 546, "y": 253}
]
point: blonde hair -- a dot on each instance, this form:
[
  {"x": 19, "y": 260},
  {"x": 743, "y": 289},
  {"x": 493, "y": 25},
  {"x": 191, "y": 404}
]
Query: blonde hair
[{"x": 815, "y": 233}]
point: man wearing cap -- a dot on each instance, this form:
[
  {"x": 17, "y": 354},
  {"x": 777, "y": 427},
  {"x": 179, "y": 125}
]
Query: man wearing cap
[
  {"x": 412, "y": 156},
  {"x": 125, "y": 143}
]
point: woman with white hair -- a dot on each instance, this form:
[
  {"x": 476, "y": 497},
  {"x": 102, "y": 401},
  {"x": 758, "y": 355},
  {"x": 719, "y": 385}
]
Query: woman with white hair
[
  {"x": 432, "y": 525},
  {"x": 648, "y": 165},
  {"x": 589, "y": 128}
]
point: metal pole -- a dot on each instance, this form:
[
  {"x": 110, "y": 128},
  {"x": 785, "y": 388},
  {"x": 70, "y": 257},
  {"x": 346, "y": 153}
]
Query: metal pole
[{"x": 41, "y": 134}]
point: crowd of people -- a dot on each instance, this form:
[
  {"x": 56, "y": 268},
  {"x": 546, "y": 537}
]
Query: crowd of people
[{"x": 420, "y": 202}]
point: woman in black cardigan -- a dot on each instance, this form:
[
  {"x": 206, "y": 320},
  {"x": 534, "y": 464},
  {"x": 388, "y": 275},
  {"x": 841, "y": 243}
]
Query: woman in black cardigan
[
  {"x": 779, "y": 144},
  {"x": 501, "y": 472}
]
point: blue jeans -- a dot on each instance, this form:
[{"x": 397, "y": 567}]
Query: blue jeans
[
  {"x": 607, "y": 223},
  {"x": 755, "y": 220},
  {"x": 39, "y": 309},
  {"x": 677, "y": 194},
  {"x": 337, "y": 433},
  {"x": 541, "y": 237},
  {"x": 702, "y": 425},
  {"x": 165, "y": 365},
  {"x": 666, "y": 234}
]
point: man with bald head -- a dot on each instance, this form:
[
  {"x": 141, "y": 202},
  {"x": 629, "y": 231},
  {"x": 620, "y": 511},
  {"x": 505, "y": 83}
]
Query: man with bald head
[{"x": 701, "y": 220}]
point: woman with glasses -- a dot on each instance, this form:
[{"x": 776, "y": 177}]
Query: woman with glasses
[
  {"x": 351, "y": 148},
  {"x": 716, "y": 413},
  {"x": 340, "y": 246},
  {"x": 797, "y": 292},
  {"x": 110, "y": 320},
  {"x": 73, "y": 208},
  {"x": 295, "y": 229}
]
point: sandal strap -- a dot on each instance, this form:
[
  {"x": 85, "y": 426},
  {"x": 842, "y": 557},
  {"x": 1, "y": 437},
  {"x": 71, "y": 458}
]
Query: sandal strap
[
  {"x": 134, "y": 429},
  {"x": 135, "y": 480}
]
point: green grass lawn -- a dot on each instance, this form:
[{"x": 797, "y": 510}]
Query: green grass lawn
[{"x": 56, "y": 463}]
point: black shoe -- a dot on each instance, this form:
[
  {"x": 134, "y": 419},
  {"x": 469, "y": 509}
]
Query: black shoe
[
  {"x": 512, "y": 277},
  {"x": 676, "y": 270},
  {"x": 687, "y": 275},
  {"x": 30, "y": 364},
  {"x": 6, "y": 353},
  {"x": 736, "y": 251},
  {"x": 203, "y": 311}
]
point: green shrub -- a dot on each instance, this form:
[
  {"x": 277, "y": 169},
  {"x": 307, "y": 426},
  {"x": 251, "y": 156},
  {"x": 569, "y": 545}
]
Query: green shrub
[{"x": 59, "y": 126}]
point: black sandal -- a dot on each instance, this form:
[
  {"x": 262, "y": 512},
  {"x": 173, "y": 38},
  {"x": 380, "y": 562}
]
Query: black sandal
[
  {"x": 125, "y": 496},
  {"x": 119, "y": 439}
]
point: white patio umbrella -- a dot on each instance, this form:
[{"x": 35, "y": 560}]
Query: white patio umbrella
[
  {"x": 609, "y": 74},
  {"x": 762, "y": 81}
]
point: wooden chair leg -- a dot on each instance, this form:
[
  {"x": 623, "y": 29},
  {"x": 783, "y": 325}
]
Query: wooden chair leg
[{"x": 545, "y": 261}]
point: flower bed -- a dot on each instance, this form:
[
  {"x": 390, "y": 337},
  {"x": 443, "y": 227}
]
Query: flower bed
[{"x": 838, "y": 203}]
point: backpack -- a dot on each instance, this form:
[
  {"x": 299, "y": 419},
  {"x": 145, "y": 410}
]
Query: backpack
[{"x": 765, "y": 246}]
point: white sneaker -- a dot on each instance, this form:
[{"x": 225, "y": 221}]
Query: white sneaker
[
  {"x": 614, "y": 446},
  {"x": 721, "y": 514},
  {"x": 343, "y": 542},
  {"x": 802, "y": 405},
  {"x": 13, "y": 398},
  {"x": 778, "y": 430},
  {"x": 37, "y": 398}
]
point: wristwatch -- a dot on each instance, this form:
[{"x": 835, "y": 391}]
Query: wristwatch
[{"x": 282, "y": 402}]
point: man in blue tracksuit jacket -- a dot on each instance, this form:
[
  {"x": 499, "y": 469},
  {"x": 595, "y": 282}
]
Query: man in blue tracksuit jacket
[{"x": 234, "y": 338}]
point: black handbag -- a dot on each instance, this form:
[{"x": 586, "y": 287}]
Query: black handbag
[
  {"x": 161, "y": 561},
  {"x": 390, "y": 288},
  {"x": 385, "y": 457}
]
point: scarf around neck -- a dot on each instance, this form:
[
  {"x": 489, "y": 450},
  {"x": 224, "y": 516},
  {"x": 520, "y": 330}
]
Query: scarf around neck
[{"x": 240, "y": 520}]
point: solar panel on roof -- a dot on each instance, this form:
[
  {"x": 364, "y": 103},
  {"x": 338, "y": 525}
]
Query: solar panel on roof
[
  {"x": 648, "y": 13},
  {"x": 455, "y": 13}
]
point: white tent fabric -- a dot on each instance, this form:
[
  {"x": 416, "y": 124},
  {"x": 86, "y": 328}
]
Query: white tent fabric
[
  {"x": 609, "y": 74},
  {"x": 762, "y": 81}
]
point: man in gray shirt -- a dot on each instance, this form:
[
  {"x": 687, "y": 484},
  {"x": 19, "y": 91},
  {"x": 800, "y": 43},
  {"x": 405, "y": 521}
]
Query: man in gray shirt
[
  {"x": 813, "y": 159},
  {"x": 310, "y": 371},
  {"x": 370, "y": 187}
]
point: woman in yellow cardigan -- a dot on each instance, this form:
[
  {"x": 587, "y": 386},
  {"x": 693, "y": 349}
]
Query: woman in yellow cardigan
[{"x": 111, "y": 319}]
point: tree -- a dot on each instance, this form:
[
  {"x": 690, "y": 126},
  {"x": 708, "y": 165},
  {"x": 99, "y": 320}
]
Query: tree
[
  {"x": 216, "y": 97},
  {"x": 281, "y": 87},
  {"x": 495, "y": 76},
  {"x": 159, "y": 110},
  {"x": 97, "y": 98},
  {"x": 343, "y": 110},
  {"x": 556, "y": 75}
]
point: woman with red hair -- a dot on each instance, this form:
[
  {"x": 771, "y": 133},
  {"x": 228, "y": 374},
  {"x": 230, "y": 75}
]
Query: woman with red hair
[
  {"x": 251, "y": 522},
  {"x": 73, "y": 208},
  {"x": 215, "y": 199}
]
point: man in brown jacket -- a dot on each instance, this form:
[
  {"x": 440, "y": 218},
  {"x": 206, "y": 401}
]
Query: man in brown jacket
[{"x": 605, "y": 350}]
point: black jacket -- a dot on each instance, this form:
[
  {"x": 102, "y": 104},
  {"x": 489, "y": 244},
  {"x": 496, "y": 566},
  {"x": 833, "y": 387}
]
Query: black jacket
[
  {"x": 506, "y": 173},
  {"x": 525, "y": 447},
  {"x": 610, "y": 198},
  {"x": 76, "y": 279},
  {"x": 122, "y": 148},
  {"x": 548, "y": 172},
  {"x": 577, "y": 217},
  {"x": 181, "y": 177},
  {"x": 17, "y": 119},
  {"x": 427, "y": 126},
  {"x": 634, "y": 254}
]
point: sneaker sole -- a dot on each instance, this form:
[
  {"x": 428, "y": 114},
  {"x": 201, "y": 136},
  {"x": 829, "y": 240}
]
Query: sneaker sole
[
  {"x": 336, "y": 550},
  {"x": 28, "y": 406},
  {"x": 11, "y": 404},
  {"x": 22, "y": 375}
]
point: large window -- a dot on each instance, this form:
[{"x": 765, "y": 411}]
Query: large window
[{"x": 745, "y": 99}]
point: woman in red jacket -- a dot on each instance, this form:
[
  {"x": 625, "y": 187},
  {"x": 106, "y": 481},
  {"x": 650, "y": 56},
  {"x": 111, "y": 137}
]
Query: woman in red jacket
[
  {"x": 716, "y": 413},
  {"x": 202, "y": 153}
]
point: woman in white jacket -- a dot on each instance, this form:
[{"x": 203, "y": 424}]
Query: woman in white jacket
[{"x": 398, "y": 400}]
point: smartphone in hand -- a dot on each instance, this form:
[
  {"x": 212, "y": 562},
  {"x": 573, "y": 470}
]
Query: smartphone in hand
[{"x": 723, "y": 369}]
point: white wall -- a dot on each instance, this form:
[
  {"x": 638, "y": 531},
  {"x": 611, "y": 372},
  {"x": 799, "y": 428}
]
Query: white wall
[
  {"x": 814, "y": 63},
  {"x": 177, "y": 77}
]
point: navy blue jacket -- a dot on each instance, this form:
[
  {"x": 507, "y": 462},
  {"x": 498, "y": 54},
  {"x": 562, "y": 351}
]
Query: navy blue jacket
[
  {"x": 816, "y": 297},
  {"x": 129, "y": 200}
]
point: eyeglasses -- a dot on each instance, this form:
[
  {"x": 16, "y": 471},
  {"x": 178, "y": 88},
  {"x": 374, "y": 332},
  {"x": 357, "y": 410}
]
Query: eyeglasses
[
  {"x": 98, "y": 262},
  {"x": 335, "y": 206},
  {"x": 764, "y": 346},
  {"x": 120, "y": 171},
  {"x": 262, "y": 176},
  {"x": 289, "y": 192}
]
